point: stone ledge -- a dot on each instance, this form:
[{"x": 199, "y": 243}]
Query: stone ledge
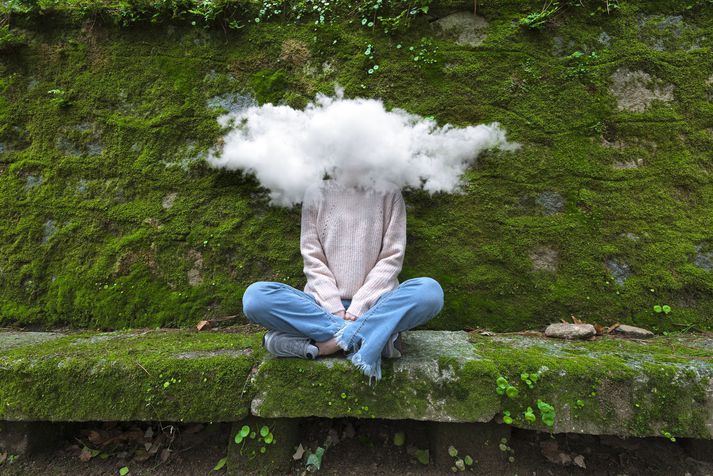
[
  {"x": 174, "y": 375},
  {"x": 604, "y": 386}
]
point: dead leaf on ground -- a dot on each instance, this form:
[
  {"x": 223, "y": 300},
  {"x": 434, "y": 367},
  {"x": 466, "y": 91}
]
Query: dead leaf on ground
[
  {"x": 97, "y": 438},
  {"x": 141, "y": 455},
  {"x": 579, "y": 461},
  {"x": 299, "y": 453},
  {"x": 209, "y": 323},
  {"x": 165, "y": 454},
  {"x": 85, "y": 455}
]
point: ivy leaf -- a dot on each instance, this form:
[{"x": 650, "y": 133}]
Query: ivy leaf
[
  {"x": 548, "y": 419},
  {"x": 422, "y": 456},
  {"x": 220, "y": 464}
]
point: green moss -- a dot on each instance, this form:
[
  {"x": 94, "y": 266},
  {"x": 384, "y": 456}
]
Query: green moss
[
  {"x": 138, "y": 120},
  {"x": 268, "y": 86},
  {"x": 607, "y": 386},
  {"x": 131, "y": 375},
  {"x": 623, "y": 387}
]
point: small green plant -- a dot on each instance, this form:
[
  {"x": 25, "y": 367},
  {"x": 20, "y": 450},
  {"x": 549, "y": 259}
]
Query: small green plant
[
  {"x": 658, "y": 309},
  {"x": 7, "y": 458},
  {"x": 399, "y": 438},
  {"x": 507, "y": 419},
  {"x": 529, "y": 415},
  {"x": 502, "y": 384},
  {"x": 369, "y": 53},
  {"x": 537, "y": 20},
  {"x": 265, "y": 439},
  {"x": 425, "y": 52},
  {"x": 547, "y": 413},
  {"x": 124, "y": 471},
  {"x": 530, "y": 379},
  {"x": 507, "y": 449},
  {"x": 579, "y": 403},
  {"x": 403, "y": 19},
  {"x": 220, "y": 464},
  {"x": 504, "y": 388},
  {"x": 580, "y": 64},
  {"x": 668, "y": 435},
  {"x": 459, "y": 464},
  {"x": 422, "y": 455},
  {"x": 58, "y": 98}
]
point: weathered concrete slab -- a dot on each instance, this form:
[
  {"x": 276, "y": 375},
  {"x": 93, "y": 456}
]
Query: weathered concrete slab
[
  {"x": 9, "y": 340},
  {"x": 425, "y": 384},
  {"x": 174, "y": 375},
  {"x": 605, "y": 386},
  {"x": 661, "y": 386}
]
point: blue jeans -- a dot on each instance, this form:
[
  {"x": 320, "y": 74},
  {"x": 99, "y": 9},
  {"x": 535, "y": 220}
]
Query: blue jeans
[{"x": 281, "y": 307}]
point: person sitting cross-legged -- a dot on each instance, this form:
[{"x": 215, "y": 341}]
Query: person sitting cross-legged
[{"x": 353, "y": 240}]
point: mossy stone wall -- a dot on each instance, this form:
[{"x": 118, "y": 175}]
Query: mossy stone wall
[{"x": 110, "y": 218}]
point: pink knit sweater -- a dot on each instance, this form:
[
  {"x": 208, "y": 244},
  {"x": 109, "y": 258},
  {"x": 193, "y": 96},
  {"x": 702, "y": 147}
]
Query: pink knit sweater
[{"x": 353, "y": 242}]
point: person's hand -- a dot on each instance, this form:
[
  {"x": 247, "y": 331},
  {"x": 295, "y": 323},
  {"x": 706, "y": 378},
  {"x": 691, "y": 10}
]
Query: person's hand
[{"x": 350, "y": 317}]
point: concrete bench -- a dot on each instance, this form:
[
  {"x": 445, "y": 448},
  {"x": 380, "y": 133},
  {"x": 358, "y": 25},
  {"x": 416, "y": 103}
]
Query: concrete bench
[{"x": 657, "y": 387}]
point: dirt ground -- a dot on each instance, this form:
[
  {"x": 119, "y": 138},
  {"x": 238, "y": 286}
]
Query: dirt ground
[{"x": 352, "y": 447}]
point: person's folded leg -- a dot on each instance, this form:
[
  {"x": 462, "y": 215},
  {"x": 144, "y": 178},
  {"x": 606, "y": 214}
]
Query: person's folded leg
[
  {"x": 282, "y": 307},
  {"x": 413, "y": 303}
]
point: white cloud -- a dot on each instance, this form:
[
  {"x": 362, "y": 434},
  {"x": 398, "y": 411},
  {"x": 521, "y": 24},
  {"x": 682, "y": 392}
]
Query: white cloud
[{"x": 350, "y": 139}]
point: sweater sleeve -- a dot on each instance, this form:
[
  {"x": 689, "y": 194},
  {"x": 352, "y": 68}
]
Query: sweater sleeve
[
  {"x": 319, "y": 276},
  {"x": 389, "y": 262}
]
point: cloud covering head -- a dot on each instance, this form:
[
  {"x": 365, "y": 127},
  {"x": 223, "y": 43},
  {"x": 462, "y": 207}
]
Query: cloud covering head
[{"x": 356, "y": 141}]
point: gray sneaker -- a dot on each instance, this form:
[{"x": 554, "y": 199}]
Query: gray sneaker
[
  {"x": 390, "y": 349},
  {"x": 283, "y": 344}
]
